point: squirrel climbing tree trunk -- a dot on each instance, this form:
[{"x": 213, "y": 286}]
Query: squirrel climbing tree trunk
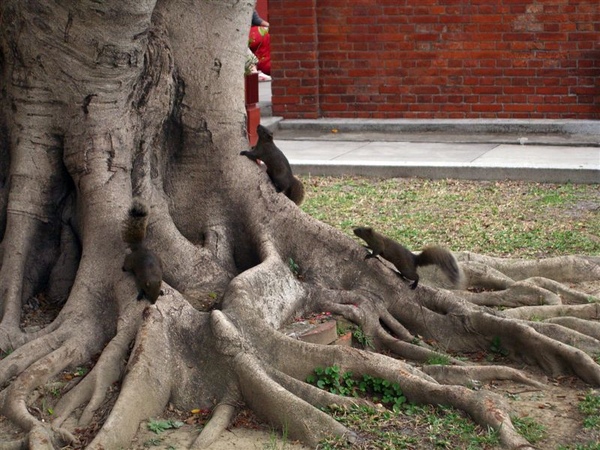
[{"x": 104, "y": 101}]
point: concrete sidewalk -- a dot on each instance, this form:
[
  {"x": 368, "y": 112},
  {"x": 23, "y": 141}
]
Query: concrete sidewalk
[
  {"x": 442, "y": 156},
  {"x": 554, "y": 151}
]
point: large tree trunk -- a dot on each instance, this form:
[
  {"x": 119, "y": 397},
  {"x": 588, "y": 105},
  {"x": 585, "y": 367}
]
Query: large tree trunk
[{"x": 103, "y": 101}]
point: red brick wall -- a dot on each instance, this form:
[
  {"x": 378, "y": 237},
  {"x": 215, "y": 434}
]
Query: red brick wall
[{"x": 436, "y": 58}]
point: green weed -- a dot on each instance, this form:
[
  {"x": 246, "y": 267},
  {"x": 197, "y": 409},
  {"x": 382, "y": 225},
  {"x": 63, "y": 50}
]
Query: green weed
[
  {"x": 158, "y": 426},
  {"x": 332, "y": 379},
  {"x": 295, "y": 268},
  {"x": 362, "y": 338},
  {"x": 497, "y": 348},
  {"x": 80, "y": 371},
  {"x": 152, "y": 442}
]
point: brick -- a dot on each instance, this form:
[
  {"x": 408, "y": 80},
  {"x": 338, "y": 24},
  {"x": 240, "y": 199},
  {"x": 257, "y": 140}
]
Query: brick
[
  {"x": 344, "y": 340},
  {"x": 375, "y": 53}
]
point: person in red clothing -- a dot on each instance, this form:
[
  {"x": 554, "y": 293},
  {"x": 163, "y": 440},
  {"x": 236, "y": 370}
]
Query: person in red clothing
[{"x": 260, "y": 44}]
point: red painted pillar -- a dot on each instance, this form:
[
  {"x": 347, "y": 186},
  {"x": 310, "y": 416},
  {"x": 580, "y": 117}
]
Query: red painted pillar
[{"x": 252, "y": 109}]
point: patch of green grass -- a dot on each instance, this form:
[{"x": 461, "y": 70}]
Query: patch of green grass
[
  {"x": 412, "y": 427},
  {"x": 505, "y": 218},
  {"x": 274, "y": 439},
  {"x": 401, "y": 426},
  {"x": 439, "y": 360},
  {"x": 529, "y": 429},
  {"x": 590, "y": 408},
  {"x": 588, "y": 446}
]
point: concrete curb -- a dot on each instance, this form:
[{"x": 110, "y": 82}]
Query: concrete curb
[
  {"x": 479, "y": 173},
  {"x": 456, "y": 126}
]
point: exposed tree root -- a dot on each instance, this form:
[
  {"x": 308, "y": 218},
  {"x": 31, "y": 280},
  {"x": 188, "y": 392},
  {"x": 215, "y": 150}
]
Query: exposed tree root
[
  {"x": 313, "y": 395},
  {"x": 591, "y": 329},
  {"x": 221, "y": 418},
  {"x": 415, "y": 384},
  {"x": 521, "y": 293},
  {"x": 568, "y": 336},
  {"x": 107, "y": 370},
  {"x": 470, "y": 375},
  {"x": 148, "y": 372},
  {"x": 15, "y": 402},
  {"x": 283, "y": 409},
  {"x": 586, "y": 312},
  {"x": 572, "y": 269}
]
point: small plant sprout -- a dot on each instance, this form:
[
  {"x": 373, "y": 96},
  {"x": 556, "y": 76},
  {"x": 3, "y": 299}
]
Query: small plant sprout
[
  {"x": 497, "y": 348},
  {"x": 362, "y": 338},
  {"x": 158, "y": 426},
  {"x": 295, "y": 268}
]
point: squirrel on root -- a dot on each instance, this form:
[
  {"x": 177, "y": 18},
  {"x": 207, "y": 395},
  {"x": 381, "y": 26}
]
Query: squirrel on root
[
  {"x": 145, "y": 265},
  {"x": 407, "y": 262},
  {"x": 278, "y": 167}
]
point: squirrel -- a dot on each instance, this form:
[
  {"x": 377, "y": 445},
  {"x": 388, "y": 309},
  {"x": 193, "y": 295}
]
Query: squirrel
[
  {"x": 278, "y": 167},
  {"x": 406, "y": 261},
  {"x": 145, "y": 265}
]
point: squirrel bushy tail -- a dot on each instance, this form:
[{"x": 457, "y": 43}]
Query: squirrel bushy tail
[
  {"x": 296, "y": 191},
  {"x": 442, "y": 258},
  {"x": 407, "y": 262},
  {"x": 145, "y": 265},
  {"x": 134, "y": 225}
]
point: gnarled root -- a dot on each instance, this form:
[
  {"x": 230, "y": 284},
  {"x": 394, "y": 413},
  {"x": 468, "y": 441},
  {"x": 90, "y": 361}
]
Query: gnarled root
[
  {"x": 221, "y": 418},
  {"x": 472, "y": 375},
  {"x": 107, "y": 370}
]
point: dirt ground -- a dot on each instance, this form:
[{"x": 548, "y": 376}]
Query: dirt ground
[{"x": 235, "y": 438}]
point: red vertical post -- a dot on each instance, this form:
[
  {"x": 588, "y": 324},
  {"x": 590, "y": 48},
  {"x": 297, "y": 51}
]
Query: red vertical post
[{"x": 252, "y": 109}]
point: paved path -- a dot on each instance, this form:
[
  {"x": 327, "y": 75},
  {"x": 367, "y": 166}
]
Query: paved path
[{"x": 475, "y": 161}]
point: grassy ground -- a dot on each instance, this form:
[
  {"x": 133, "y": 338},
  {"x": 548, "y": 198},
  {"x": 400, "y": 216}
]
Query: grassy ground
[
  {"x": 495, "y": 218},
  {"x": 510, "y": 219}
]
